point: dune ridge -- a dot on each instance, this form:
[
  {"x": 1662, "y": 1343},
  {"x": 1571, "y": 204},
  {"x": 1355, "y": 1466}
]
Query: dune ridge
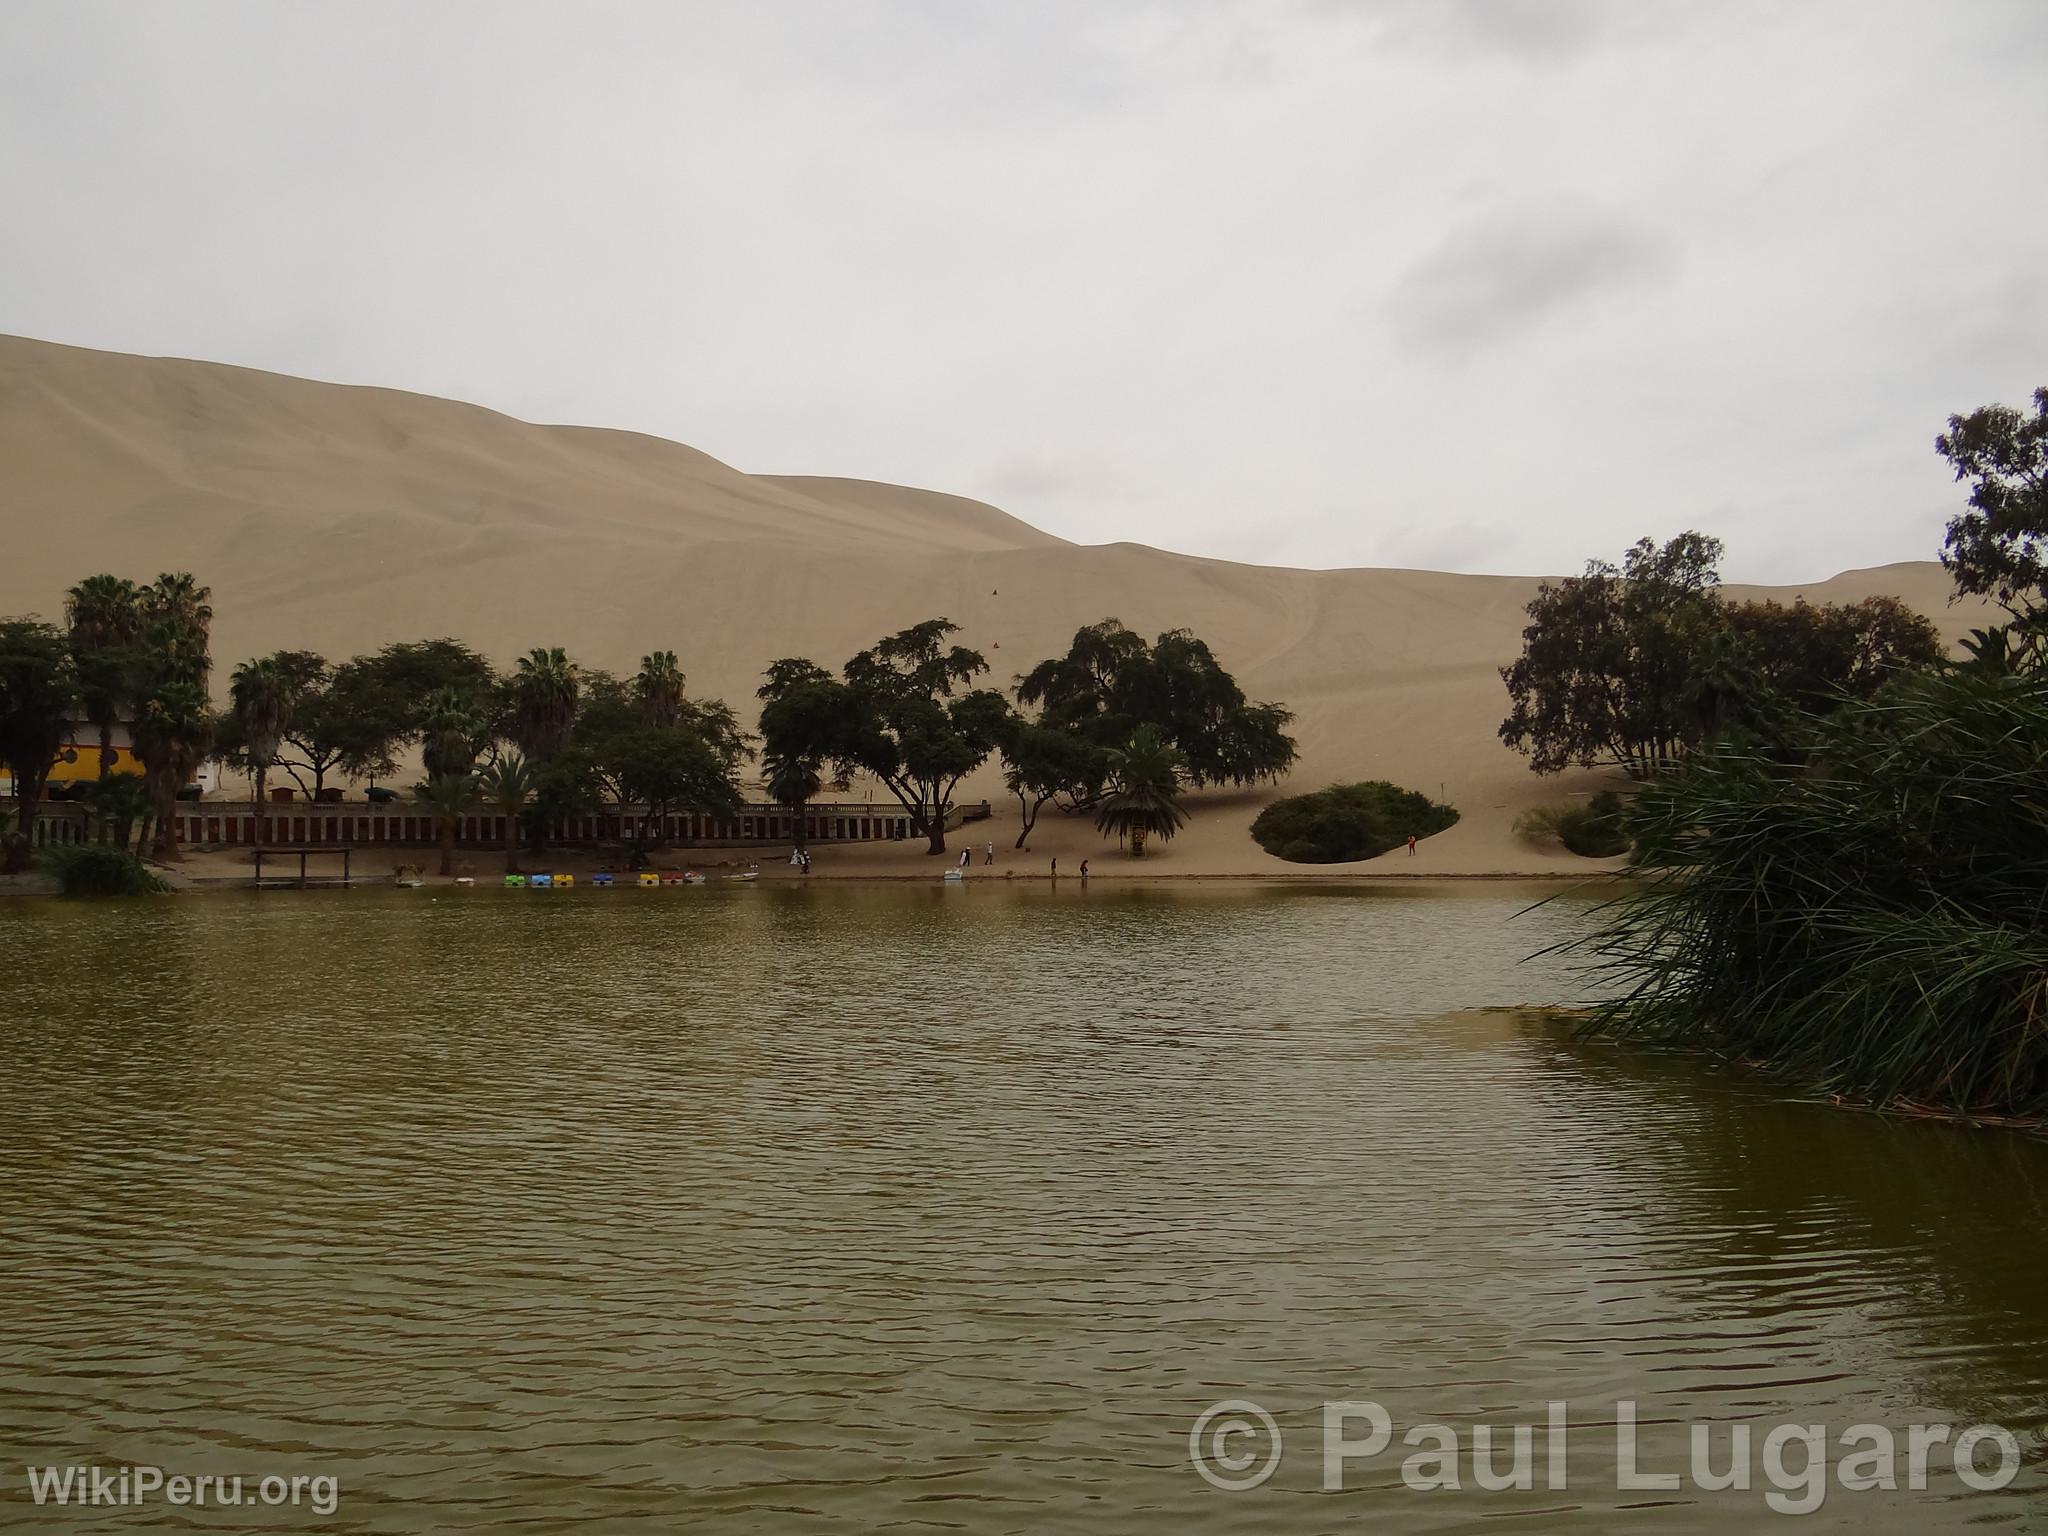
[{"x": 340, "y": 517}]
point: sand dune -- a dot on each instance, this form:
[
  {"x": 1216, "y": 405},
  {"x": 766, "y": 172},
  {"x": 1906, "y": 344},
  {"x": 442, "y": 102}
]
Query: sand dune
[{"x": 339, "y": 518}]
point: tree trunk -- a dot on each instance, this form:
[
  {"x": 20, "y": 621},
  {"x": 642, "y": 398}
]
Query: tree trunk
[
  {"x": 447, "y": 845},
  {"x": 512, "y": 842},
  {"x": 1137, "y": 842},
  {"x": 106, "y": 751},
  {"x": 166, "y": 797}
]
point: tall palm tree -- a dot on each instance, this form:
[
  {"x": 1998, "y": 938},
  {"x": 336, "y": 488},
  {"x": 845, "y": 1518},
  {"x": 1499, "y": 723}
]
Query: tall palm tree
[
  {"x": 446, "y": 797},
  {"x": 178, "y": 596},
  {"x": 453, "y": 730},
  {"x": 178, "y": 618},
  {"x": 794, "y": 781},
  {"x": 659, "y": 685},
  {"x": 173, "y": 732},
  {"x": 508, "y": 784},
  {"x": 260, "y": 698},
  {"x": 1144, "y": 797},
  {"x": 545, "y": 690},
  {"x": 105, "y": 616}
]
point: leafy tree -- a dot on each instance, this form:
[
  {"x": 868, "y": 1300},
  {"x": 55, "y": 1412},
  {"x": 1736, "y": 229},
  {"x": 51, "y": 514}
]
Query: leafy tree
[
  {"x": 1348, "y": 822},
  {"x": 1041, "y": 763},
  {"x": 1144, "y": 798},
  {"x": 1110, "y": 682},
  {"x": 1817, "y": 657},
  {"x": 508, "y": 784},
  {"x": 38, "y": 690},
  {"x": 446, "y": 798},
  {"x": 666, "y": 770},
  {"x": 105, "y": 618},
  {"x": 1999, "y": 548},
  {"x": 914, "y": 724},
  {"x": 615, "y": 752},
  {"x": 1606, "y": 668},
  {"x": 806, "y": 726},
  {"x": 355, "y": 718}
]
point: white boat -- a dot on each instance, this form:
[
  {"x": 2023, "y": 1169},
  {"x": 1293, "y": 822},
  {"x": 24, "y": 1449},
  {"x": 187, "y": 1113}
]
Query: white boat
[
  {"x": 749, "y": 875},
  {"x": 954, "y": 874}
]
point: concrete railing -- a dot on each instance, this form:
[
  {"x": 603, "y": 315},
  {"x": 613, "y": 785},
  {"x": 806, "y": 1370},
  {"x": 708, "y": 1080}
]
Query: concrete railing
[{"x": 357, "y": 823}]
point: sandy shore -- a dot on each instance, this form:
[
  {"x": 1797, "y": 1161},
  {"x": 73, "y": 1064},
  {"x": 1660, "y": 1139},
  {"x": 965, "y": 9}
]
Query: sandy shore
[{"x": 1215, "y": 846}]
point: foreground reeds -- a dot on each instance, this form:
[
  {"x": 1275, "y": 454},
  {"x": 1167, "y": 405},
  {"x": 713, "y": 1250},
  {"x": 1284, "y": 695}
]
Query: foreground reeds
[{"x": 1865, "y": 914}]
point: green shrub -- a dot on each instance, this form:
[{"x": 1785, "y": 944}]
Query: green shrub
[
  {"x": 1594, "y": 830},
  {"x": 1869, "y": 918},
  {"x": 92, "y": 869},
  {"x": 1347, "y": 822}
]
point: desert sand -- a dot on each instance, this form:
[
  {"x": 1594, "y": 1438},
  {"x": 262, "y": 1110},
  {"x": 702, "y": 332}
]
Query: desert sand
[{"x": 339, "y": 518}]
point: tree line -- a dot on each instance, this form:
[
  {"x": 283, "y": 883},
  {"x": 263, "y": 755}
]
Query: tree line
[
  {"x": 1640, "y": 663},
  {"x": 1116, "y": 728}
]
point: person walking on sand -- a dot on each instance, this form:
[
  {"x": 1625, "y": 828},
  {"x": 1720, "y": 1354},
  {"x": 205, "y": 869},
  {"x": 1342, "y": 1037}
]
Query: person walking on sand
[
  {"x": 1055, "y": 866},
  {"x": 1084, "y": 869},
  {"x": 1411, "y": 845},
  {"x": 965, "y": 855},
  {"x": 988, "y": 853}
]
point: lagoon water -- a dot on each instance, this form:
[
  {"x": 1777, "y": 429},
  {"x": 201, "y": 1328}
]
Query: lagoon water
[{"x": 942, "y": 1210}]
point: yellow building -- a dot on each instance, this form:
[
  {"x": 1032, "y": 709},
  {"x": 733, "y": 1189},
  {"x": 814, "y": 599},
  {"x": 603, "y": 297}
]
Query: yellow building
[{"x": 79, "y": 758}]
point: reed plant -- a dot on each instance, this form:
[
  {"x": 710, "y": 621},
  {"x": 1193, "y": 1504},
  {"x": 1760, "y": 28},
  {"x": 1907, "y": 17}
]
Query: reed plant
[{"x": 1864, "y": 912}]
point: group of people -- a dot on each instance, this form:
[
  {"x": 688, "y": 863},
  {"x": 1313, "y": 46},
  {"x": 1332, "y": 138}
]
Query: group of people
[
  {"x": 801, "y": 858},
  {"x": 988, "y": 856}
]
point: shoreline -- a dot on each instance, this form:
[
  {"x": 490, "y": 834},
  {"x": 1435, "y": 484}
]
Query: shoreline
[{"x": 181, "y": 883}]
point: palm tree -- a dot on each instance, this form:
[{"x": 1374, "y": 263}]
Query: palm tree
[
  {"x": 173, "y": 731},
  {"x": 260, "y": 703},
  {"x": 105, "y": 617},
  {"x": 793, "y": 781},
  {"x": 118, "y": 803},
  {"x": 179, "y": 597},
  {"x": 659, "y": 685},
  {"x": 178, "y": 619},
  {"x": 452, "y": 732},
  {"x": 508, "y": 784},
  {"x": 445, "y": 797},
  {"x": 544, "y": 694},
  {"x": 1144, "y": 797}
]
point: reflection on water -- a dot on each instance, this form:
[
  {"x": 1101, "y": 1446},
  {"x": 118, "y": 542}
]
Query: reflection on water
[{"x": 937, "y": 1210}]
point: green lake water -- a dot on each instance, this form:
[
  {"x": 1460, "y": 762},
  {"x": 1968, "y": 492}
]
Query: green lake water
[{"x": 920, "y": 1209}]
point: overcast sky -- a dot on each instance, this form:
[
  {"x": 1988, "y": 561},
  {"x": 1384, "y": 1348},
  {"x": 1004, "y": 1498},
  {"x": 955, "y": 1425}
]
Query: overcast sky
[{"x": 1476, "y": 286}]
